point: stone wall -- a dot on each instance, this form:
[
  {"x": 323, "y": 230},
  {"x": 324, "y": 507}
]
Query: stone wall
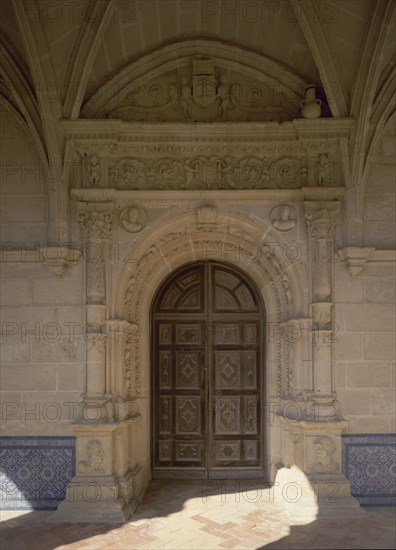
[
  {"x": 24, "y": 182},
  {"x": 364, "y": 348}
]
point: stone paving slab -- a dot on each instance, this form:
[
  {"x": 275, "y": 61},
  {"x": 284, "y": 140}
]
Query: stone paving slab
[{"x": 177, "y": 515}]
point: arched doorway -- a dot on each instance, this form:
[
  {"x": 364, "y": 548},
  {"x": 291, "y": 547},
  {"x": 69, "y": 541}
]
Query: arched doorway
[{"x": 208, "y": 375}]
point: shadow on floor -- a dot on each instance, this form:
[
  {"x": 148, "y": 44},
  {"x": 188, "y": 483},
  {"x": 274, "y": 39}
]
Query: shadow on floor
[{"x": 224, "y": 514}]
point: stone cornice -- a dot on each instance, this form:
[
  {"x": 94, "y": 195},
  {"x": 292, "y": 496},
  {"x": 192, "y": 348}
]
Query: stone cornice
[
  {"x": 228, "y": 132},
  {"x": 237, "y": 196}
]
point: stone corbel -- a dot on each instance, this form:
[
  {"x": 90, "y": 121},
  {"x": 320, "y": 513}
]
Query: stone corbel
[
  {"x": 60, "y": 259},
  {"x": 356, "y": 258}
]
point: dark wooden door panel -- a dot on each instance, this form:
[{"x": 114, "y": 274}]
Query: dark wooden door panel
[{"x": 207, "y": 374}]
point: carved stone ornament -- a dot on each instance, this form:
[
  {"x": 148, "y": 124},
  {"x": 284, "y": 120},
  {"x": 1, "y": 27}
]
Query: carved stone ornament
[
  {"x": 94, "y": 460},
  {"x": 60, "y": 259},
  {"x": 321, "y": 219},
  {"x": 283, "y": 217},
  {"x": 133, "y": 219},
  {"x": 201, "y": 91},
  {"x": 208, "y": 172},
  {"x": 324, "y": 450},
  {"x": 207, "y": 214},
  {"x": 92, "y": 171},
  {"x": 96, "y": 225}
]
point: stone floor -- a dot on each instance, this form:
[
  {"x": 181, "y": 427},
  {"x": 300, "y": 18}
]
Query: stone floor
[{"x": 195, "y": 515}]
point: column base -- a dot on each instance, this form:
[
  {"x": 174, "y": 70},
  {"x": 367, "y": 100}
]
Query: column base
[{"x": 101, "y": 499}]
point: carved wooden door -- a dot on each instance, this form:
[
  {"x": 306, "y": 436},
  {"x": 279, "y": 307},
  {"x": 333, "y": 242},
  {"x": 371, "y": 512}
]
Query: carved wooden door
[{"x": 207, "y": 375}]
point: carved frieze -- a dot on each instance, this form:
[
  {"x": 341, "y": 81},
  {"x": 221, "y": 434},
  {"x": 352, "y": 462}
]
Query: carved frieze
[{"x": 208, "y": 172}]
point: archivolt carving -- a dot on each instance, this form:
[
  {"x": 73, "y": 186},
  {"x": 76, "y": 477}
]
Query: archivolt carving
[{"x": 174, "y": 249}]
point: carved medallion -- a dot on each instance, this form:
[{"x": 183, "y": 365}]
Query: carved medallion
[
  {"x": 133, "y": 219},
  {"x": 283, "y": 217}
]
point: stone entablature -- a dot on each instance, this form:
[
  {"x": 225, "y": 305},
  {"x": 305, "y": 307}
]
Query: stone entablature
[{"x": 130, "y": 156}]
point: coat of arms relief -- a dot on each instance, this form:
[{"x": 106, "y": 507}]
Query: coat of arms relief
[{"x": 204, "y": 92}]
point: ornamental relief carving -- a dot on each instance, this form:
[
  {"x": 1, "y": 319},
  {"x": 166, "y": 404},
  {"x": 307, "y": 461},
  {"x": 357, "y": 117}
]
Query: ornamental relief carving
[
  {"x": 208, "y": 172},
  {"x": 211, "y": 171},
  {"x": 321, "y": 219},
  {"x": 201, "y": 91},
  {"x": 96, "y": 225},
  {"x": 133, "y": 219}
]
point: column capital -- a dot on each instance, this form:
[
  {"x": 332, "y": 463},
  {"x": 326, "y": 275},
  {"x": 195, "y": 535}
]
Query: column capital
[
  {"x": 96, "y": 224},
  {"x": 321, "y": 217}
]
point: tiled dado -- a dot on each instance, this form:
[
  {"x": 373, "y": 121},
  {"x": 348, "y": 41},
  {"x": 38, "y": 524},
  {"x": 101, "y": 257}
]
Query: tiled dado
[
  {"x": 370, "y": 465},
  {"x": 34, "y": 471}
]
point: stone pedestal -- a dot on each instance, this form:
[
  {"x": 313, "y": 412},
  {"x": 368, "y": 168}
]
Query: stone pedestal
[
  {"x": 105, "y": 488},
  {"x": 310, "y": 481}
]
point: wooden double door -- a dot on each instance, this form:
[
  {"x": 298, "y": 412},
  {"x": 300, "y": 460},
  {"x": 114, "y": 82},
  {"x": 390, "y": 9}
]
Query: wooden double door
[{"x": 207, "y": 394}]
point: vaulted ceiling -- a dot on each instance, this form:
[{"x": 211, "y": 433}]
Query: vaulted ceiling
[{"x": 55, "y": 56}]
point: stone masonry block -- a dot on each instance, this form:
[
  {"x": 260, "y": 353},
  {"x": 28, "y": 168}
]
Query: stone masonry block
[
  {"x": 379, "y": 346},
  {"x": 354, "y": 402},
  {"x": 370, "y": 374}
]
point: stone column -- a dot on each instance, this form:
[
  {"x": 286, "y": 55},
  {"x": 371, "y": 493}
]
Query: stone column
[
  {"x": 321, "y": 220},
  {"x": 97, "y": 231}
]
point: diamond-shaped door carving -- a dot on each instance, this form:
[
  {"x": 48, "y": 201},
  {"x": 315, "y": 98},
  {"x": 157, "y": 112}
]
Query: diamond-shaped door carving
[
  {"x": 227, "y": 415},
  {"x": 188, "y": 415},
  {"x": 227, "y": 365},
  {"x": 187, "y": 370}
]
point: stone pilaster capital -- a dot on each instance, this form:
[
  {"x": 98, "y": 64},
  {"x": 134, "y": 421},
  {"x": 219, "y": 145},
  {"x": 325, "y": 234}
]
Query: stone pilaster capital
[
  {"x": 321, "y": 218},
  {"x": 96, "y": 224}
]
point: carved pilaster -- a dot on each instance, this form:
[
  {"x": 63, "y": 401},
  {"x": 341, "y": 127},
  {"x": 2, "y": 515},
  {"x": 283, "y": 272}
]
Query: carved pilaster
[
  {"x": 121, "y": 341},
  {"x": 298, "y": 340},
  {"x": 321, "y": 222},
  {"x": 97, "y": 229}
]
